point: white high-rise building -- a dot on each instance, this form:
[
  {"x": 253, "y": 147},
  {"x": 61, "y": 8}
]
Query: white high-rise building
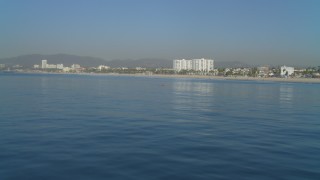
[
  {"x": 194, "y": 64},
  {"x": 203, "y": 64},
  {"x": 177, "y": 65},
  {"x": 44, "y": 64},
  {"x": 182, "y": 64}
]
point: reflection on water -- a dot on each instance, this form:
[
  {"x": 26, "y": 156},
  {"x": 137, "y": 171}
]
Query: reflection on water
[
  {"x": 44, "y": 83},
  {"x": 186, "y": 91},
  {"x": 198, "y": 88},
  {"x": 286, "y": 94}
]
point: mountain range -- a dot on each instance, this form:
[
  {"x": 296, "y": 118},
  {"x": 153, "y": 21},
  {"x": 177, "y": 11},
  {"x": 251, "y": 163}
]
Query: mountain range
[{"x": 87, "y": 61}]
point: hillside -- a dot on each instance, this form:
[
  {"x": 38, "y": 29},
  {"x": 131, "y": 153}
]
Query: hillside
[{"x": 145, "y": 63}]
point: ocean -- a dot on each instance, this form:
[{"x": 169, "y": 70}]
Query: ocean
[{"x": 55, "y": 126}]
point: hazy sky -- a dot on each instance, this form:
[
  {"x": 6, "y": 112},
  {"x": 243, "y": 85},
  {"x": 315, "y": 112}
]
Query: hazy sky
[{"x": 251, "y": 31}]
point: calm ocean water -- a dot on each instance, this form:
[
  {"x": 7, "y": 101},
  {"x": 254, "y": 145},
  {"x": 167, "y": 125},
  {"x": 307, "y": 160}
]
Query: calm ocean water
[{"x": 109, "y": 127}]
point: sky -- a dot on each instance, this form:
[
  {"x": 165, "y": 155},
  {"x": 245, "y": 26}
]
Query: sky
[{"x": 257, "y": 32}]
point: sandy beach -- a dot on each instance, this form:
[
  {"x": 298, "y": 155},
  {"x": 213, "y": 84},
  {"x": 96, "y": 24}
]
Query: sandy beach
[
  {"x": 241, "y": 78},
  {"x": 300, "y": 80}
]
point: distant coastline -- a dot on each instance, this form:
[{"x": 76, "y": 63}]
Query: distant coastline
[{"x": 240, "y": 78}]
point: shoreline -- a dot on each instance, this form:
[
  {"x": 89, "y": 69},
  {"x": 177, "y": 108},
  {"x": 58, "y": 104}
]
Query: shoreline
[
  {"x": 237, "y": 78},
  {"x": 240, "y": 78}
]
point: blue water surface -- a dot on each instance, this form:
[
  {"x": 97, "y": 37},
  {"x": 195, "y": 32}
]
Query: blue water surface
[{"x": 122, "y": 127}]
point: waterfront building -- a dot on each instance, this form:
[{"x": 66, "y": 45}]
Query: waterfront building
[
  {"x": 263, "y": 71},
  {"x": 75, "y": 66},
  {"x": 59, "y": 66},
  {"x": 182, "y": 64},
  {"x": 17, "y": 66},
  {"x": 51, "y": 66},
  {"x": 140, "y": 69},
  {"x": 44, "y": 64},
  {"x": 187, "y": 65},
  {"x": 66, "y": 69},
  {"x": 177, "y": 65},
  {"x": 203, "y": 64},
  {"x": 286, "y": 71},
  {"x": 2, "y": 66},
  {"x": 194, "y": 64},
  {"x": 36, "y": 66},
  {"x": 103, "y": 67}
]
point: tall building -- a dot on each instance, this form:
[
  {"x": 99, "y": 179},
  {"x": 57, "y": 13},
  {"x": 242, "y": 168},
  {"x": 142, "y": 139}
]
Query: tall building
[
  {"x": 177, "y": 65},
  {"x": 182, "y": 64},
  {"x": 44, "y": 64},
  {"x": 194, "y": 64},
  {"x": 203, "y": 64}
]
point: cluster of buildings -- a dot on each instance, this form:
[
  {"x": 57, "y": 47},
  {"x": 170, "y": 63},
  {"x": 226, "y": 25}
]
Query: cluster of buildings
[
  {"x": 182, "y": 66},
  {"x": 205, "y": 65},
  {"x": 74, "y": 67},
  {"x": 265, "y": 71},
  {"x": 45, "y": 65},
  {"x": 285, "y": 71},
  {"x": 262, "y": 71}
]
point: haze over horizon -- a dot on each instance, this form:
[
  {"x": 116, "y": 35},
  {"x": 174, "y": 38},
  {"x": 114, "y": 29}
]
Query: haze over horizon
[{"x": 251, "y": 31}]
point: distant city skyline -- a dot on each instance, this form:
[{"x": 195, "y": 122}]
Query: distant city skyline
[{"x": 255, "y": 32}]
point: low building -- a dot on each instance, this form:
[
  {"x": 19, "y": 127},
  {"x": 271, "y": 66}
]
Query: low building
[
  {"x": 66, "y": 69},
  {"x": 286, "y": 71},
  {"x": 36, "y": 66},
  {"x": 17, "y": 66},
  {"x": 103, "y": 67},
  {"x": 2, "y": 66},
  {"x": 140, "y": 69},
  {"x": 59, "y": 66},
  {"x": 263, "y": 71},
  {"x": 75, "y": 66},
  {"x": 51, "y": 66}
]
